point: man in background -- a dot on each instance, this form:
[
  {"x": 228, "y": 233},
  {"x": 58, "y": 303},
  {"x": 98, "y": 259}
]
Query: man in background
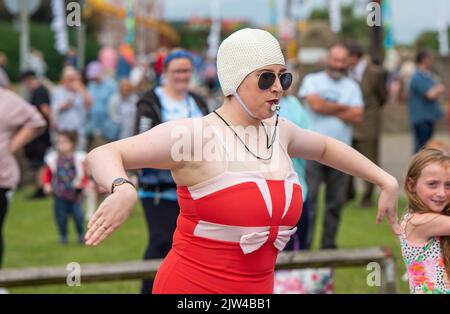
[
  {"x": 423, "y": 101},
  {"x": 36, "y": 149},
  {"x": 334, "y": 102},
  {"x": 366, "y": 135}
]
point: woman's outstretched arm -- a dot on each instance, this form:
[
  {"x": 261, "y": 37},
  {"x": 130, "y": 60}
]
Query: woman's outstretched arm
[
  {"x": 151, "y": 149},
  {"x": 328, "y": 151}
]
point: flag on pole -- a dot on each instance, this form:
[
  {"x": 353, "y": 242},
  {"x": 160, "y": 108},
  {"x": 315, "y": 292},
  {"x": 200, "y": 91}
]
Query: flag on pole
[
  {"x": 59, "y": 26},
  {"x": 334, "y": 11},
  {"x": 214, "y": 33},
  {"x": 442, "y": 28},
  {"x": 386, "y": 14},
  {"x": 130, "y": 22}
]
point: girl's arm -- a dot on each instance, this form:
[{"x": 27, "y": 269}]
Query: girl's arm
[
  {"x": 151, "y": 149},
  {"x": 157, "y": 148},
  {"x": 328, "y": 151},
  {"x": 428, "y": 225}
]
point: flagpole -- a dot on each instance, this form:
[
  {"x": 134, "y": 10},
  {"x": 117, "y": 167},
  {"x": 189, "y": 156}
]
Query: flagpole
[
  {"x": 81, "y": 40},
  {"x": 376, "y": 38},
  {"x": 442, "y": 25},
  {"x": 24, "y": 34}
]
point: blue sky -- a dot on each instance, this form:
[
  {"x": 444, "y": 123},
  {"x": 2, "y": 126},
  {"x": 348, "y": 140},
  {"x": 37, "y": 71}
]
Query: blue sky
[{"x": 409, "y": 17}]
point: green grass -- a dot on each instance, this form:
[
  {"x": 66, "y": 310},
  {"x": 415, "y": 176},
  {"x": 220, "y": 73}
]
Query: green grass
[
  {"x": 31, "y": 241},
  {"x": 358, "y": 230}
]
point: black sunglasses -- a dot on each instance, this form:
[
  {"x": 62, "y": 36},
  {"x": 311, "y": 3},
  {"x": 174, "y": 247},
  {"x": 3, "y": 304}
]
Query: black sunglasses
[{"x": 266, "y": 79}]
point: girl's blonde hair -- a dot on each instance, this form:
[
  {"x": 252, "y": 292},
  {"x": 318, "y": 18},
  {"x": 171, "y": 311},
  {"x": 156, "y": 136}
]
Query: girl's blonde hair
[{"x": 422, "y": 159}]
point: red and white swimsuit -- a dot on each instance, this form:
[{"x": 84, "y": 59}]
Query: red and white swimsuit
[{"x": 229, "y": 232}]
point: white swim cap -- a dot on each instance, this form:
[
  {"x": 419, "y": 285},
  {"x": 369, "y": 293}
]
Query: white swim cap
[{"x": 243, "y": 52}]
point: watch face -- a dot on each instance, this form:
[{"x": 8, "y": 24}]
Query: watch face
[{"x": 119, "y": 181}]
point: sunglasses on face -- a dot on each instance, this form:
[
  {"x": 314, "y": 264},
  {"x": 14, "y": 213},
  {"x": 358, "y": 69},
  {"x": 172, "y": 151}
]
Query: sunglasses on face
[{"x": 266, "y": 80}]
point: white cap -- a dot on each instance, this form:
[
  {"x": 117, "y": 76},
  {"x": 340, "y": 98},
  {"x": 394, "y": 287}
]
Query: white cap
[{"x": 243, "y": 52}]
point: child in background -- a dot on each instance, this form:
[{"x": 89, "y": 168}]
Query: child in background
[
  {"x": 425, "y": 241},
  {"x": 65, "y": 176}
]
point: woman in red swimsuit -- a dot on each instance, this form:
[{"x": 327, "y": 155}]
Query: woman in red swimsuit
[{"x": 239, "y": 197}]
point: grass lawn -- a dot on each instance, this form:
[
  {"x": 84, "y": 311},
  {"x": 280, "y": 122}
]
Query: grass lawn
[{"x": 31, "y": 241}]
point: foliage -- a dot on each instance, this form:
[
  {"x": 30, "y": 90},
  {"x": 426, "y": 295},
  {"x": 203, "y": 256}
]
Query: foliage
[{"x": 42, "y": 39}]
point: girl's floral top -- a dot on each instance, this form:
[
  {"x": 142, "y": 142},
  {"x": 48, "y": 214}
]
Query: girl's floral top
[{"x": 425, "y": 264}]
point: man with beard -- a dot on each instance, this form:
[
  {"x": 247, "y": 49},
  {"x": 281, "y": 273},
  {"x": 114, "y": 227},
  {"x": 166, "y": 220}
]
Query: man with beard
[{"x": 334, "y": 102}]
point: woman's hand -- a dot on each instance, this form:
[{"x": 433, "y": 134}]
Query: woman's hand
[
  {"x": 112, "y": 212},
  {"x": 387, "y": 204}
]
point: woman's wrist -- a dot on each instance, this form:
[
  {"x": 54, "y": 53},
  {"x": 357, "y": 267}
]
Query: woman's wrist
[
  {"x": 126, "y": 189},
  {"x": 389, "y": 183}
]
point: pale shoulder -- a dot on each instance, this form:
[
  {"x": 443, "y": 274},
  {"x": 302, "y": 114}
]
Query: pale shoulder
[
  {"x": 166, "y": 146},
  {"x": 187, "y": 131},
  {"x": 294, "y": 132},
  {"x": 182, "y": 124},
  {"x": 301, "y": 143},
  {"x": 289, "y": 128}
]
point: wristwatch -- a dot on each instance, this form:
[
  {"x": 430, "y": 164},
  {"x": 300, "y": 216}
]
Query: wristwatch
[{"x": 120, "y": 181}]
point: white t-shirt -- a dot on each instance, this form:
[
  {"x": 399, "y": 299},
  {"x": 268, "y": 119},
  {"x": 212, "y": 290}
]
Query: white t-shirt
[
  {"x": 343, "y": 91},
  {"x": 172, "y": 109}
]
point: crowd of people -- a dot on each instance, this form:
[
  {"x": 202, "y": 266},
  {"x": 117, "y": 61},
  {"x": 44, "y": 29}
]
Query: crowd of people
[{"x": 118, "y": 96}]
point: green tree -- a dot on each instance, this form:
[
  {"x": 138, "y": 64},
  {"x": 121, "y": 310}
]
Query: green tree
[
  {"x": 429, "y": 39},
  {"x": 42, "y": 39},
  {"x": 353, "y": 27}
]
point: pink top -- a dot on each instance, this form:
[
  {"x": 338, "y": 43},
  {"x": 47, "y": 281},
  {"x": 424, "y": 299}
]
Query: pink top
[
  {"x": 14, "y": 114},
  {"x": 425, "y": 264}
]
